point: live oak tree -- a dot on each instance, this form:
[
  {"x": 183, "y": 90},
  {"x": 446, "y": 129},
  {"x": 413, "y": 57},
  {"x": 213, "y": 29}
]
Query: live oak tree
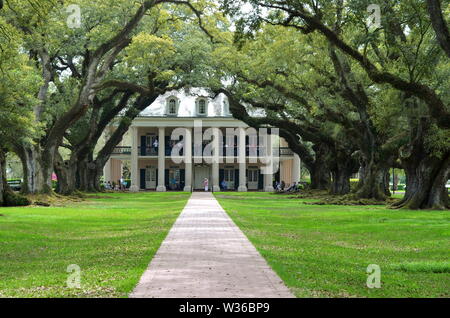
[
  {"x": 49, "y": 41},
  {"x": 400, "y": 58},
  {"x": 170, "y": 53},
  {"x": 343, "y": 93},
  {"x": 19, "y": 80},
  {"x": 294, "y": 82},
  {"x": 73, "y": 62}
]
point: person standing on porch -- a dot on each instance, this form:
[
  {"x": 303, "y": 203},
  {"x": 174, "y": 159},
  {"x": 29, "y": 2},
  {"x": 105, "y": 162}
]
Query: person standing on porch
[
  {"x": 206, "y": 184},
  {"x": 122, "y": 183}
]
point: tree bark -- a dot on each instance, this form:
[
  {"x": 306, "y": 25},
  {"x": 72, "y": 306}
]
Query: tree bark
[
  {"x": 373, "y": 184},
  {"x": 3, "y": 180},
  {"x": 426, "y": 173},
  {"x": 341, "y": 174},
  {"x": 319, "y": 170},
  {"x": 7, "y": 196},
  {"x": 340, "y": 182},
  {"x": 89, "y": 174},
  {"x": 426, "y": 177},
  {"x": 66, "y": 173},
  {"x": 36, "y": 170},
  {"x": 439, "y": 25}
]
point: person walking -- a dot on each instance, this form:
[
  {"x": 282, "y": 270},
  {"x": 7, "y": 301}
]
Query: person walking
[
  {"x": 206, "y": 184},
  {"x": 122, "y": 183},
  {"x": 224, "y": 185}
]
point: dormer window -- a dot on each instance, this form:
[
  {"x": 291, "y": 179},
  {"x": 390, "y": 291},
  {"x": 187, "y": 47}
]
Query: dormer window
[
  {"x": 226, "y": 107},
  {"x": 172, "y": 106},
  {"x": 202, "y": 107}
]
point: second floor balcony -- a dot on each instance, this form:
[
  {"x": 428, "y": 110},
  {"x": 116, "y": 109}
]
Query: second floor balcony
[{"x": 233, "y": 151}]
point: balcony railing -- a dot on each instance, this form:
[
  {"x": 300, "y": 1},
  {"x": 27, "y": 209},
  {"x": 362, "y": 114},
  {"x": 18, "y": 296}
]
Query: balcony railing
[
  {"x": 147, "y": 151},
  {"x": 122, "y": 151},
  {"x": 285, "y": 151},
  {"x": 152, "y": 151},
  {"x": 250, "y": 151}
]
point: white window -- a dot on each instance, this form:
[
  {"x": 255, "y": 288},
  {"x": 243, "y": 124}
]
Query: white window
[
  {"x": 226, "y": 107},
  {"x": 229, "y": 175},
  {"x": 202, "y": 107},
  {"x": 150, "y": 174},
  {"x": 172, "y": 106},
  {"x": 252, "y": 175}
]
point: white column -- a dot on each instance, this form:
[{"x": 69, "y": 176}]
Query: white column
[
  {"x": 215, "y": 162},
  {"x": 268, "y": 183},
  {"x": 268, "y": 177},
  {"x": 296, "y": 168},
  {"x": 188, "y": 160},
  {"x": 161, "y": 160},
  {"x": 107, "y": 171},
  {"x": 134, "y": 160},
  {"x": 241, "y": 159}
]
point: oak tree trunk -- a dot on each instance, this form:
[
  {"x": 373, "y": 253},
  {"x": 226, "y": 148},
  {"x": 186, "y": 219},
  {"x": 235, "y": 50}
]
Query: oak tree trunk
[
  {"x": 3, "y": 180},
  {"x": 7, "y": 196},
  {"x": 340, "y": 182},
  {"x": 66, "y": 171},
  {"x": 426, "y": 177},
  {"x": 373, "y": 183},
  {"x": 426, "y": 173},
  {"x": 37, "y": 170},
  {"x": 320, "y": 177}
]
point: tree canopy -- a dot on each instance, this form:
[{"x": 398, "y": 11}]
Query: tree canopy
[{"x": 352, "y": 88}]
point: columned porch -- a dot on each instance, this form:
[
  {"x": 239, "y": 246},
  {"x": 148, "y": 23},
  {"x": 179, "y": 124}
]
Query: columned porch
[{"x": 157, "y": 164}]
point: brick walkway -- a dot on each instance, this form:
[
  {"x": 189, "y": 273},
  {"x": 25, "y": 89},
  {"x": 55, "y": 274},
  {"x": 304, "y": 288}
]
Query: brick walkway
[{"x": 206, "y": 255}]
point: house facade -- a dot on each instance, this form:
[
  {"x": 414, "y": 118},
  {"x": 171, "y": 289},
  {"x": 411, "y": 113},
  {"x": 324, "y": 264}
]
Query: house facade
[{"x": 185, "y": 137}]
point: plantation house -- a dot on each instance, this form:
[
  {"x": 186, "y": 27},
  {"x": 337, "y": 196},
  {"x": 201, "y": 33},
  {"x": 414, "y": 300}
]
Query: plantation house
[{"x": 158, "y": 162}]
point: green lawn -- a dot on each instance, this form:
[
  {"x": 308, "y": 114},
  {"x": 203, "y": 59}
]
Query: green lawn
[
  {"x": 112, "y": 238},
  {"x": 324, "y": 251}
]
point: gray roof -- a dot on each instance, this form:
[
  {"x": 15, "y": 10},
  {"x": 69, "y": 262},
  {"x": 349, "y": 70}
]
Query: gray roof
[{"x": 187, "y": 104}]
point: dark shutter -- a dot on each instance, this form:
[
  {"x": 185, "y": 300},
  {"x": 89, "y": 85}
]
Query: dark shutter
[
  {"x": 167, "y": 145},
  {"x": 182, "y": 179},
  {"x": 236, "y": 179},
  {"x": 224, "y": 149},
  {"x": 221, "y": 177},
  {"x": 260, "y": 181},
  {"x": 143, "y": 145},
  {"x": 277, "y": 176},
  {"x": 247, "y": 142},
  {"x": 142, "y": 179},
  {"x": 166, "y": 179}
]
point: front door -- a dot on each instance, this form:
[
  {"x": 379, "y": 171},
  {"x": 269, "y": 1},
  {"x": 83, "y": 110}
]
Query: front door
[
  {"x": 252, "y": 178},
  {"x": 150, "y": 177},
  {"x": 174, "y": 179},
  {"x": 228, "y": 176},
  {"x": 200, "y": 173}
]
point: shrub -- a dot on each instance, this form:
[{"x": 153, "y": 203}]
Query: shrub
[
  {"x": 304, "y": 185},
  {"x": 353, "y": 185},
  {"x": 13, "y": 199}
]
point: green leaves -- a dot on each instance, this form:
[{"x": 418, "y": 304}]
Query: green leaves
[
  {"x": 149, "y": 53},
  {"x": 19, "y": 81}
]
